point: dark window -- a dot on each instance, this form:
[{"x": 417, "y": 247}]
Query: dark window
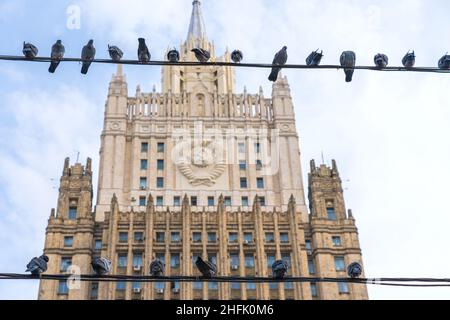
[
  {"x": 260, "y": 183},
  {"x": 343, "y": 287},
  {"x": 175, "y": 237},
  {"x": 193, "y": 201},
  {"x": 257, "y": 147},
  {"x": 331, "y": 215},
  {"x": 121, "y": 260},
  {"x": 159, "y": 201},
  {"x": 232, "y": 237},
  {"x": 143, "y": 183},
  {"x": 212, "y": 237},
  {"x": 176, "y": 201},
  {"x": 68, "y": 241},
  {"x": 234, "y": 260},
  {"x": 121, "y": 286},
  {"x": 142, "y": 201},
  {"x": 123, "y": 236},
  {"x": 175, "y": 260},
  {"x": 98, "y": 244},
  {"x": 65, "y": 264},
  {"x": 137, "y": 260},
  {"x": 248, "y": 237},
  {"x": 72, "y": 213},
  {"x": 270, "y": 259},
  {"x": 138, "y": 236},
  {"x": 144, "y": 164},
  {"x": 227, "y": 201},
  {"x": 160, "y": 182},
  {"x": 249, "y": 261},
  {"x": 314, "y": 290},
  {"x": 311, "y": 268},
  {"x": 94, "y": 290},
  {"x": 241, "y": 147},
  {"x": 269, "y": 237},
  {"x": 242, "y": 165},
  {"x": 160, "y": 236},
  {"x": 196, "y": 237},
  {"x": 63, "y": 288},
  {"x": 160, "y": 147},
  {"x": 210, "y": 201},
  {"x": 258, "y": 165},
  {"x": 336, "y": 241},
  {"x": 160, "y": 164},
  {"x": 144, "y": 147},
  {"x": 243, "y": 182},
  {"x": 262, "y": 201},
  {"x": 284, "y": 237},
  {"x": 244, "y": 201},
  {"x": 339, "y": 263}
]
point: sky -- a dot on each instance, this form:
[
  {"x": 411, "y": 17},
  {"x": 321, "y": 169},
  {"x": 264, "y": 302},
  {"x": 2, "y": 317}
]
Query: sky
[{"x": 388, "y": 131}]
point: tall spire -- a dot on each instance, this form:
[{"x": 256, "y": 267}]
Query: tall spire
[{"x": 197, "y": 28}]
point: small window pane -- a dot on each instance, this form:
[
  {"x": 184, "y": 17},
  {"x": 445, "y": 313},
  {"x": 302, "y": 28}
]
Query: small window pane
[
  {"x": 142, "y": 201},
  {"x": 243, "y": 183},
  {"x": 343, "y": 287},
  {"x": 144, "y": 164},
  {"x": 331, "y": 214},
  {"x": 176, "y": 201},
  {"x": 212, "y": 237},
  {"x": 196, "y": 237},
  {"x": 269, "y": 237},
  {"x": 123, "y": 236},
  {"x": 260, "y": 183},
  {"x": 63, "y": 288},
  {"x": 339, "y": 263},
  {"x": 313, "y": 289},
  {"x": 122, "y": 261},
  {"x": 244, "y": 201},
  {"x": 160, "y": 182},
  {"x": 160, "y": 164},
  {"x": 160, "y": 237},
  {"x": 284, "y": 237},
  {"x": 210, "y": 201},
  {"x": 242, "y": 165},
  {"x": 68, "y": 241},
  {"x": 336, "y": 241},
  {"x": 160, "y": 147},
  {"x": 72, "y": 213},
  {"x": 175, "y": 237},
  {"x": 98, "y": 244},
  {"x": 144, "y": 147},
  {"x": 232, "y": 237},
  {"x": 159, "y": 201}
]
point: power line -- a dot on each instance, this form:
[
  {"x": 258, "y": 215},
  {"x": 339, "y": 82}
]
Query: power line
[{"x": 226, "y": 64}]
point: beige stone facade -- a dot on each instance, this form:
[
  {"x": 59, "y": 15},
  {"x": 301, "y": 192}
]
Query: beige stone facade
[{"x": 200, "y": 170}]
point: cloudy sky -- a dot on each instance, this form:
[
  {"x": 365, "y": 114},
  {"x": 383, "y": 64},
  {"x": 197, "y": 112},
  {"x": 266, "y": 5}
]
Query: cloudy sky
[{"x": 387, "y": 131}]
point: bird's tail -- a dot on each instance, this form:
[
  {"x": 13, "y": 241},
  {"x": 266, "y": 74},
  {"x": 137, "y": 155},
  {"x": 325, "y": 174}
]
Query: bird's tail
[
  {"x": 53, "y": 66},
  {"x": 274, "y": 74},
  {"x": 348, "y": 75},
  {"x": 85, "y": 68}
]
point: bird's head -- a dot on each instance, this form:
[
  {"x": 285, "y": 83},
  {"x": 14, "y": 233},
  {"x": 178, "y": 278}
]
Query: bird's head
[
  {"x": 141, "y": 40},
  {"x": 91, "y": 42},
  {"x": 58, "y": 41},
  {"x": 199, "y": 259},
  {"x": 45, "y": 258},
  {"x": 195, "y": 50},
  {"x": 284, "y": 48}
]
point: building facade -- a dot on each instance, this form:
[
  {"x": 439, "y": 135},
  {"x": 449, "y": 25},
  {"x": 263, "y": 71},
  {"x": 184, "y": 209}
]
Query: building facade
[{"x": 200, "y": 170}]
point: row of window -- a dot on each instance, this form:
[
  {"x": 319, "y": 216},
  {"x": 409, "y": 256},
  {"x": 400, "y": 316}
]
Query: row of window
[
  {"x": 160, "y": 182},
  {"x": 194, "y": 201},
  {"x": 160, "y": 147},
  {"x": 159, "y": 164}
]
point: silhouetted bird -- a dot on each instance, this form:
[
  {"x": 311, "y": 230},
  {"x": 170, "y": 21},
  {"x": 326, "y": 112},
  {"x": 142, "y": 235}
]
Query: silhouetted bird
[
  {"x": 202, "y": 55},
  {"x": 381, "y": 60},
  {"x": 237, "y": 56},
  {"x": 30, "y": 51},
  {"x": 279, "y": 269},
  {"x": 87, "y": 54},
  {"x": 314, "y": 58},
  {"x": 57, "y": 54},
  {"x": 354, "y": 270},
  {"x": 115, "y": 53},
  {"x": 279, "y": 59},
  {"x": 157, "y": 268},
  {"x": 143, "y": 53},
  {"x": 101, "y": 266},
  {"x": 37, "y": 265},
  {"x": 409, "y": 59},
  {"x": 207, "y": 269},
  {"x": 444, "y": 62},
  {"x": 348, "y": 60},
  {"x": 173, "y": 55}
]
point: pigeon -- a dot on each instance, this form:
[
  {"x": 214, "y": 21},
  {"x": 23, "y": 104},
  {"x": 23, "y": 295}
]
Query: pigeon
[
  {"x": 30, "y": 51},
  {"x": 157, "y": 268},
  {"x": 348, "y": 60},
  {"x": 143, "y": 53},
  {"x": 314, "y": 58},
  {"x": 101, "y": 266},
  {"x": 279, "y": 59},
  {"x": 37, "y": 265},
  {"x": 279, "y": 269},
  {"x": 202, "y": 55},
  {"x": 115, "y": 53},
  {"x": 354, "y": 270},
  {"x": 409, "y": 60},
  {"x": 381, "y": 60},
  {"x": 237, "y": 56},
  {"x": 173, "y": 55},
  {"x": 444, "y": 62},
  {"x": 57, "y": 54},
  {"x": 207, "y": 269},
  {"x": 88, "y": 53}
]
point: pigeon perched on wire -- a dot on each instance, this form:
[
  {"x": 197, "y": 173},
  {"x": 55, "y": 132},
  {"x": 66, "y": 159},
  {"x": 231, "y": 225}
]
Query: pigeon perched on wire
[
  {"x": 381, "y": 60},
  {"x": 354, "y": 270},
  {"x": 314, "y": 58},
  {"x": 444, "y": 62},
  {"x": 87, "y": 55},
  {"x": 348, "y": 60},
  {"x": 202, "y": 55},
  {"x": 237, "y": 56},
  {"x": 206, "y": 268},
  {"x": 101, "y": 266},
  {"x": 37, "y": 265},
  {"x": 279, "y": 59},
  {"x": 115, "y": 53},
  {"x": 30, "y": 51},
  {"x": 279, "y": 269},
  {"x": 143, "y": 53},
  {"x": 57, "y": 54},
  {"x": 409, "y": 59},
  {"x": 173, "y": 55},
  {"x": 157, "y": 268}
]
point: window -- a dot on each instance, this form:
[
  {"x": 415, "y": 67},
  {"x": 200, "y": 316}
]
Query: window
[
  {"x": 314, "y": 290},
  {"x": 213, "y": 285},
  {"x": 212, "y": 237},
  {"x": 160, "y": 256},
  {"x": 262, "y": 201},
  {"x": 241, "y": 147},
  {"x": 193, "y": 201},
  {"x": 123, "y": 236},
  {"x": 284, "y": 237},
  {"x": 270, "y": 259},
  {"x": 289, "y": 285},
  {"x": 94, "y": 290},
  {"x": 232, "y": 237},
  {"x": 121, "y": 286},
  {"x": 138, "y": 236},
  {"x": 144, "y": 147},
  {"x": 251, "y": 286},
  {"x": 235, "y": 286},
  {"x": 144, "y": 164},
  {"x": 63, "y": 288},
  {"x": 160, "y": 147},
  {"x": 258, "y": 165},
  {"x": 210, "y": 201},
  {"x": 257, "y": 147},
  {"x": 242, "y": 165},
  {"x": 273, "y": 285},
  {"x": 175, "y": 260},
  {"x": 175, "y": 237},
  {"x": 243, "y": 182},
  {"x": 249, "y": 261},
  {"x": 159, "y": 201},
  {"x": 269, "y": 237},
  {"x": 248, "y": 237},
  {"x": 311, "y": 268},
  {"x": 197, "y": 237},
  {"x": 160, "y": 164},
  {"x": 159, "y": 285},
  {"x": 244, "y": 201},
  {"x": 197, "y": 285},
  {"x": 308, "y": 246},
  {"x": 234, "y": 260},
  {"x": 227, "y": 201},
  {"x": 98, "y": 244},
  {"x": 122, "y": 260},
  {"x": 68, "y": 241},
  {"x": 160, "y": 236},
  {"x": 72, "y": 213},
  {"x": 336, "y": 241},
  {"x": 136, "y": 285},
  {"x": 65, "y": 264},
  {"x": 339, "y": 263},
  {"x": 331, "y": 215},
  {"x": 260, "y": 183},
  {"x": 160, "y": 182},
  {"x": 142, "y": 201},
  {"x": 176, "y": 201},
  {"x": 143, "y": 183},
  {"x": 137, "y": 260},
  {"x": 343, "y": 287}
]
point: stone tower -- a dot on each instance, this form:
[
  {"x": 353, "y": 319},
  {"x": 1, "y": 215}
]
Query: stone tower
[{"x": 200, "y": 170}]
